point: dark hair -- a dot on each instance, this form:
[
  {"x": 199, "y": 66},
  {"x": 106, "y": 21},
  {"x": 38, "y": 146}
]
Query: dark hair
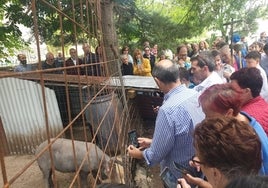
[
  {"x": 112, "y": 185},
  {"x": 146, "y": 47},
  {"x": 124, "y": 48},
  {"x": 220, "y": 44},
  {"x": 184, "y": 74},
  {"x": 96, "y": 50},
  {"x": 253, "y": 55},
  {"x": 205, "y": 58},
  {"x": 220, "y": 98},
  {"x": 237, "y": 47},
  {"x": 166, "y": 71},
  {"x": 230, "y": 145},
  {"x": 249, "y": 78},
  {"x": 265, "y": 48},
  {"x": 215, "y": 53},
  {"x": 260, "y": 44},
  {"x": 248, "y": 182},
  {"x": 180, "y": 47}
]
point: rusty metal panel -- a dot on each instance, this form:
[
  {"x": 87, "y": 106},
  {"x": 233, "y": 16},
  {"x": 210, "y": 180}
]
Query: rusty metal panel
[{"x": 23, "y": 117}]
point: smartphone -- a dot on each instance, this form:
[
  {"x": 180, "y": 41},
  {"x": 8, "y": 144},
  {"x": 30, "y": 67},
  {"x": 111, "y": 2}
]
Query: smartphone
[
  {"x": 184, "y": 170},
  {"x": 133, "y": 139},
  {"x": 167, "y": 177}
]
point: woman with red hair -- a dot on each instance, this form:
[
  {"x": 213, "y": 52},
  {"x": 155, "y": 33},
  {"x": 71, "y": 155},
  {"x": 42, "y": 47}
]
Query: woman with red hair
[{"x": 223, "y": 99}]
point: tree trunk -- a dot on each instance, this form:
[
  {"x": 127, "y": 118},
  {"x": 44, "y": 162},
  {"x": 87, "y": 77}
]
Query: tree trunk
[{"x": 109, "y": 35}]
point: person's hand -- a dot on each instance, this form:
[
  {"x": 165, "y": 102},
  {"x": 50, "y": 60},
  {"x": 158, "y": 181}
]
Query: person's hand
[
  {"x": 144, "y": 142},
  {"x": 226, "y": 74},
  {"x": 197, "y": 181},
  {"x": 181, "y": 62},
  {"x": 140, "y": 67},
  {"x": 155, "y": 108},
  {"x": 134, "y": 152},
  {"x": 182, "y": 183}
]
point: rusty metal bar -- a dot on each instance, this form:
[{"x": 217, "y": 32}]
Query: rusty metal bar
[
  {"x": 65, "y": 15},
  {"x": 2, "y": 154},
  {"x": 36, "y": 31},
  {"x": 99, "y": 85}
]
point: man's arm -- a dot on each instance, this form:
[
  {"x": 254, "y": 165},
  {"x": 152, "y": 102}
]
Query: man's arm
[{"x": 163, "y": 140}]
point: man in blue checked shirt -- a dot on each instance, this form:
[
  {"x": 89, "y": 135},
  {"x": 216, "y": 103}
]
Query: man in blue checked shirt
[{"x": 176, "y": 118}]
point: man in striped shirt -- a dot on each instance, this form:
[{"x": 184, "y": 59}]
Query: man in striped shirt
[{"x": 176, "y": 118}]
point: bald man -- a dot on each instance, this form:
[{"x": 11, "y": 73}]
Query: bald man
[
  {"x": 90, "y": 59},
  {"x": 51, "y": 63},
  {"x": 176, "y": 118},
  {"x": 23, "y": 66}
]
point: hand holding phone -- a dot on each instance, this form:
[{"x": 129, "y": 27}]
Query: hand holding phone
[
  {"x": 184, "y": 170},
  {"x": 144, "y": 142},
  {"x": 167, "y": 177},
  {"x": 133, "y": 139}
]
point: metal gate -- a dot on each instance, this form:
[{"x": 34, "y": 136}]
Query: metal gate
[{"x": 57, "y": 102}]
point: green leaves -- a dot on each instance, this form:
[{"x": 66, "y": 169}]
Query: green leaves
[{"x": 164, "y": 22}]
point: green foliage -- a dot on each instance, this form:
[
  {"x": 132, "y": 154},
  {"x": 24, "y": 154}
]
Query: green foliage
[
  {"x": 10, "y": 34},
  {"x": 163, "y": 22},
  {"x": 10, "y": 40},
  {"x": 169, "y": 23},
  {"x": 159, "y": 23},
  {"x": 218, "y": 15}
]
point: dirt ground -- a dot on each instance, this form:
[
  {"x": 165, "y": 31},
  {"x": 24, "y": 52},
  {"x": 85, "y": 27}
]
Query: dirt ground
[{"x": 32, "y": 177}]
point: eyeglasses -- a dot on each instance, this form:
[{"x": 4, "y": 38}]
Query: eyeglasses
[
  {"x": 195, "y": 161},
  {"x": 182, "y": 55}
]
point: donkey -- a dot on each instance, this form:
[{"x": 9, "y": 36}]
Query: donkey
[{"x": 63, "y": 160}]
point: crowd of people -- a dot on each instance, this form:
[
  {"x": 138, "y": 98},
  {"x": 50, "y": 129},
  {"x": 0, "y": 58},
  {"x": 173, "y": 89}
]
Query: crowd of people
[
  {"x": 214, "y": 116},
  {"x": 56, "y": 63},
  {"x": 213, "y": 120}
]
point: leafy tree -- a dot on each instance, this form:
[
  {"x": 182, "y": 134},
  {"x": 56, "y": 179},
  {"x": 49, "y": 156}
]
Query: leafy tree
[
  {"x": 165, "y": 22},
  {"x": 243, "y": 13},
  {"x": 157, "y": 22},
  {"x": 171, "y": 22},
  {"x": 10, "y": 34}
]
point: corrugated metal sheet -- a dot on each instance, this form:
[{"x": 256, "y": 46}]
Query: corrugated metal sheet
[{"x": 22, "y": 113}]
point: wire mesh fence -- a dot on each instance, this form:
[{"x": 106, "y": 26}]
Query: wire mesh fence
[{"x": 67, "y": 104}]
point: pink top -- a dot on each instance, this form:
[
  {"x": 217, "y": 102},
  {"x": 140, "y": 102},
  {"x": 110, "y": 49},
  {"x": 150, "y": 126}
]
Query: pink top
[{"x": 258, "y": 109}]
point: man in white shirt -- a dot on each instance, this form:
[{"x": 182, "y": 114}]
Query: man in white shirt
[
  {"x": 253, "y": 60},
  {"x": 264, "y": 59},
  {"x": 203, "y": 72}
]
